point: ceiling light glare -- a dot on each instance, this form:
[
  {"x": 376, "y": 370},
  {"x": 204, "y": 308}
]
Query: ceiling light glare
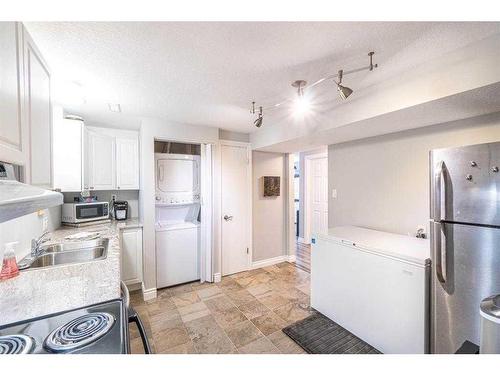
[{"x": 302, "y": 106}]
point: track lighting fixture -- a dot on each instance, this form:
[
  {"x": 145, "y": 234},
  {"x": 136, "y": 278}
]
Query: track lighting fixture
[
  {"x": 302, "y": 104},
  {"x": 258, "y": 121},
  {"x": 344, "y": 91}
]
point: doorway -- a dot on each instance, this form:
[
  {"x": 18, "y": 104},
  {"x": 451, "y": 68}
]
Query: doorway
[
  {"x": 310, "y": 201},
  {"x": 236, "y": 209}
]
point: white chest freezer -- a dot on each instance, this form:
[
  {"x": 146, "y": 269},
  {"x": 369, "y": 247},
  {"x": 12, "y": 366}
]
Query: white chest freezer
[{"x": 374, "y": 284}]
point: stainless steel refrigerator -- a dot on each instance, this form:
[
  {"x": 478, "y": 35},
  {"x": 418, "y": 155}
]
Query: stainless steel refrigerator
[{"x": 465, "y": 240}]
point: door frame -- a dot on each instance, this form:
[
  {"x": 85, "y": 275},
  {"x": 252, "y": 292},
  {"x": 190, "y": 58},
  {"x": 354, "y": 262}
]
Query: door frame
[
  {"x": 307, "y": 192},
  {"x": 249, "y": 231}
]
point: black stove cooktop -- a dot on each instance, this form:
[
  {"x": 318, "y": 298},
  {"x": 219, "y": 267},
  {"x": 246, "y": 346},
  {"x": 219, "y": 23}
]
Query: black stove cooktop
[{"x": 96, "y": 329}]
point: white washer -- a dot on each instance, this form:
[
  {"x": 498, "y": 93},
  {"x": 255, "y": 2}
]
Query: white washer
[{"x": 177, "y": 244}]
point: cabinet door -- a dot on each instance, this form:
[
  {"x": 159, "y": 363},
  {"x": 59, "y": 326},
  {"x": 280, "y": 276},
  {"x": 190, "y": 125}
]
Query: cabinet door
[
  {"x": 131, "y": 256},
  {"x": 67, "y": 147},
  {"x": 101, "y": 161},
  {"x": 38, "y": 114},
  {"x": 127, "y": 163},
  {"x": 13, "y": 132}
]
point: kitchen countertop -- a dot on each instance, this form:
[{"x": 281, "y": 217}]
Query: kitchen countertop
[{"x": 37, "y": 292}]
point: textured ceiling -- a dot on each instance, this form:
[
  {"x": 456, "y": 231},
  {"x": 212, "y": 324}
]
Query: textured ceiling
[{"x": 208, "y": 73}]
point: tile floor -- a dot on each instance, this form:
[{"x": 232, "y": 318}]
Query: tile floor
[{"x": 244, "y": 313}]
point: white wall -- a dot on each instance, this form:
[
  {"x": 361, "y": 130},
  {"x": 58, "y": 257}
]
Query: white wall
[
  {"x": 229, "y": 135},
  {"x": 25, "y": 228},
  {"x": 269, "y": 233},
  {"x": 383, "y": 182},
  {"x": 152, "y": 129}
]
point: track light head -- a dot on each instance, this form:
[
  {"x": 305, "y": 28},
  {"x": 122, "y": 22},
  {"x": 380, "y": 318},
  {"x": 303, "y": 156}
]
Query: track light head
[
  {"x": 258, "y": 120},
  {"x": 344, "y": 91}
]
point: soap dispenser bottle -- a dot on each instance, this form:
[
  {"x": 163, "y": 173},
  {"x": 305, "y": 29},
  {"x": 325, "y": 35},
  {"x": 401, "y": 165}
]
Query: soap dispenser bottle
[{"x": 9, "y": 264}]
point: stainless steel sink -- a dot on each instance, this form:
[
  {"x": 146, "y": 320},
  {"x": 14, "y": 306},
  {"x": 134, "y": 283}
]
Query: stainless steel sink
[{"x": 68, "y": 253}]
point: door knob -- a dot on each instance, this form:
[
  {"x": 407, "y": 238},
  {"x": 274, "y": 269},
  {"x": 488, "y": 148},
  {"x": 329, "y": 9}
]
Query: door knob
[{"x": 228, "y": 218}]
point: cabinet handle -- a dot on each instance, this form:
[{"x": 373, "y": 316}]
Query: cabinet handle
[
  {"x": 91, "y": 188},
  {"x": 118, "y": 187}
]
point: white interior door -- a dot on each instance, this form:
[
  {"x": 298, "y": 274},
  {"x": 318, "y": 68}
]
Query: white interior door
[
  {"x": 235, "y": 207},
  {"x": 318, "y": 195},
  {"x": 206, "y": 272}
]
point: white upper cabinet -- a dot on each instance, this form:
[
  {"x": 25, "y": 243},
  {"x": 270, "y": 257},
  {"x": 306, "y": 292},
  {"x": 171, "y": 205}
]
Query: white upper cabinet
[
  {"x": 101, "y": 161},
  {"x": 25, "y": 108},
  {"x": 14, "y": 135},
  {"x": 112, "y": 161},
  {"x": 67, "y": 145},
  {"x": 38, "y": 114},
  {"x": 127, "y": 163}
]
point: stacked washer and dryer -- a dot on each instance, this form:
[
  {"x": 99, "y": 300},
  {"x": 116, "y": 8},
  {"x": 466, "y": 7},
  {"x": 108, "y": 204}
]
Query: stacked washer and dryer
[{"x": 177, "y": 219}]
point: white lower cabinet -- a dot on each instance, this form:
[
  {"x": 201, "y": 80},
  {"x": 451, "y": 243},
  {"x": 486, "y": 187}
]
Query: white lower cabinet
[{"x": 131, "y": 255}]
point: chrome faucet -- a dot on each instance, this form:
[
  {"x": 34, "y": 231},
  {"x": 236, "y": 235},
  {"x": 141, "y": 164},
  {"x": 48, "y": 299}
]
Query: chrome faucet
[{"x": 36, "y": 242}]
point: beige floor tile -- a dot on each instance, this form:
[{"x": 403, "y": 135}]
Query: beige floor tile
[
  {"x": 136, "y": 346},
  {"x": 187, "y": 348},
  {"x": 253, "y": 309},
  {"x": 305, "y": 288},
  {"x": 217, "y": 343},
  {"x": 240, "y": 297},
  {"x": 273, "y": 300},
  {"x": 198, "y": 286},
  {"x": 210, "y": 292},
  {"x": 202, "y": 327},
  {"x": 269, "y": 323},
  {"x": 260, "y": 346},
  {"x": 285, "y": 344},
  {"x": 229, "y": 317},
  {"x": 159, "y": 325},
  {"x": 185, "y": 299},
  {"x": 292, "y": 312},
  {"x": 162, "y": 315},
  {"x": 170, "y": 338},
  {"x": 193, "y": 311},
  {"x": 179, "y": 289},
  {"x": 259, "y": 290},
  {"x": 243, "y": 333},
  {"x": 229, "y": 285},
  {"x": 219, "y": 303}
]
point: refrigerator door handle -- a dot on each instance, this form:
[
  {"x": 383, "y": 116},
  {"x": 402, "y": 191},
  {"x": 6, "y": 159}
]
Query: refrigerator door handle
[
  {"x": 438, "y": 250},
  {"x": 438, "y": 179}
]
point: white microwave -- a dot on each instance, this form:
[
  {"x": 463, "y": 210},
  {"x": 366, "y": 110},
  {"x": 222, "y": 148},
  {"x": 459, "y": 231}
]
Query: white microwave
[{"x": 81, "y": 212}]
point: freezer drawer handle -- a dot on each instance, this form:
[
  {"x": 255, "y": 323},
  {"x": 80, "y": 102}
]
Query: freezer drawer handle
[
  {"x": 437, "y": 190},
  {"x": 440, "y": 252}
]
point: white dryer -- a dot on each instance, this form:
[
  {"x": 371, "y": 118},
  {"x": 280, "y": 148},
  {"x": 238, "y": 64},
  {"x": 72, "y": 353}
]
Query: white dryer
[{"x": 177, "y": 178}]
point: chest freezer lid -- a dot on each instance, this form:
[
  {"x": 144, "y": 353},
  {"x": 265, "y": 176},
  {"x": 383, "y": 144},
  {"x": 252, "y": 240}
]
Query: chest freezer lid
[{"x": 410, "y": 249}]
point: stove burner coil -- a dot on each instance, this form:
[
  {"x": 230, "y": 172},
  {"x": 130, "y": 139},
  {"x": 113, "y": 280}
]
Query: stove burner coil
[
  {"x": 16, "y": 344},
  {"x": 79, "y": 332}
]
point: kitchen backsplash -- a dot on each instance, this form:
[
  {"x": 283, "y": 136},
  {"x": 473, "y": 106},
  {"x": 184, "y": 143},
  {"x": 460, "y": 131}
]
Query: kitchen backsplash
[
  {"x": 23, "y": 229},
  {"x": 131, "y": 196}
]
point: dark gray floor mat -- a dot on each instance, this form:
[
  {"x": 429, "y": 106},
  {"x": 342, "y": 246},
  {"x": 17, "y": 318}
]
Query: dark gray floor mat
[{"x": 317, "y": 334}]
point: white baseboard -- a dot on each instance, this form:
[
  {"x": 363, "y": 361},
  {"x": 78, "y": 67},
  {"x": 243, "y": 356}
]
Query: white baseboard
[
  {"x": 217, "y": 277},
  {"x": 269, "y": 262},
  {"x": 291, "y": 258},
  {"x": 148, "y": 294}
]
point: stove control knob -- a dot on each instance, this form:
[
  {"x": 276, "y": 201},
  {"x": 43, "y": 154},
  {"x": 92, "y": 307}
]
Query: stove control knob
[
  {"x": 473, "y": 164},
  {"x": 468, "y": 177}
]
